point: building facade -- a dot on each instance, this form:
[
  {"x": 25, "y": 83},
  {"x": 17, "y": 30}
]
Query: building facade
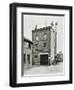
[
  {"x": 44, "y": 46},
  {"x": 27, "y": 50}
]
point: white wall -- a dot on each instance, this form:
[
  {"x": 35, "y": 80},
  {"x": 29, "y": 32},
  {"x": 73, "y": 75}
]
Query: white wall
[
  {"x": 52, "y": 45},
  {"x": 4, "y": 43}
]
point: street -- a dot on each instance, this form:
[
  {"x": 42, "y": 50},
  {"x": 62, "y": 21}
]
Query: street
[{"x": 44, "y": 69}]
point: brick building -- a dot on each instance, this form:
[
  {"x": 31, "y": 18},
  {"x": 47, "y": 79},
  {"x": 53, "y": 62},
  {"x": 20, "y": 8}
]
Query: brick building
[{"x": 44, "y": 45}]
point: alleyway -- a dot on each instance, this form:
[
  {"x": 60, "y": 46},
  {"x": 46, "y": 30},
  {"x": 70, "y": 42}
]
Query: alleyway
[{"x": 44, "y": 69}]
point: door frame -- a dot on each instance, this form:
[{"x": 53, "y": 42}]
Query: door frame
[{"x": 44, "y": 54}]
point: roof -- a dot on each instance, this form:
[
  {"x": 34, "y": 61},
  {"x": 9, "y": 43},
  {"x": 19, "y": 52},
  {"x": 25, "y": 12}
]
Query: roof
[
  {"x": 43, "y": 28},
  {"x": 27, "y": 40}
]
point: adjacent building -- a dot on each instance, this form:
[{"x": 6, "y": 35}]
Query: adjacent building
[{"x": 27, "y": 50}]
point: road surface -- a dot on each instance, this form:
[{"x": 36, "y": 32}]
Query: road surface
[{"x": 44, "y": 69}]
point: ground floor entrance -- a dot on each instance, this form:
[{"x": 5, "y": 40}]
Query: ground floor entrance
[{"x": 44, "y": 59}]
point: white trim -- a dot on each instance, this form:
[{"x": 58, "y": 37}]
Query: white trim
[{"x": 43, "y": 53}]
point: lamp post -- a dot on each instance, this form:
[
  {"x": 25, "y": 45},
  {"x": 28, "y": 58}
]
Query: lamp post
[{"x": 54, "y": 37}]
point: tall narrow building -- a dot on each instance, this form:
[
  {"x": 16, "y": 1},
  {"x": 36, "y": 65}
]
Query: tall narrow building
[{"x": 44, "y": 45}]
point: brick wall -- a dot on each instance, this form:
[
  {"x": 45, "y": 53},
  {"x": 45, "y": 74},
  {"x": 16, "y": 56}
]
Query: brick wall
[{"x": 42, "y": 45}]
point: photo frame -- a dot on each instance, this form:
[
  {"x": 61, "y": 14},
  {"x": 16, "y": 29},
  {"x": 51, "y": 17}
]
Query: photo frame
[{"x": 40, "y": 44}]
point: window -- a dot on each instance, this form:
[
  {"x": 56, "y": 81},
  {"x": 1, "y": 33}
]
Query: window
[
  {"x": 26, "y": 44},
  {"x": 36, "y": 49},
  {"x": 28, "y": 58},
  {"x": 36, "y": 45},
  {"x": 29, "y": 45},
  {"x": 37, "y": 38},
  {"x": 24, "y": 59},
  {"x": 45, "y": 36},
  {"x": 36, "y": 56},
  {"x": 44, "y": 45}
]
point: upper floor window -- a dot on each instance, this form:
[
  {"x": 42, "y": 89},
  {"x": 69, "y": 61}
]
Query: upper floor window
[
  {"x": 37, "y": 37},
  {"x": 36, "y": 56},
  {"x": 36, "y": 45},
  {"x": 45, "y": 36},
  {"x": 28, "y": 58},
  {"x": 27, "y": 45},
  {"x": 44, "y": 44}
]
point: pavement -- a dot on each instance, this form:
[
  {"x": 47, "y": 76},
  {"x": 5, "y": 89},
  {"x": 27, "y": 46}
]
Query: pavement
[{"x": 44, "y": 69}]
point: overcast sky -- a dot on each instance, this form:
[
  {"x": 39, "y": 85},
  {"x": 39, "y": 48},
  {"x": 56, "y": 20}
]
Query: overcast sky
[{"x": 41, "y": 21}]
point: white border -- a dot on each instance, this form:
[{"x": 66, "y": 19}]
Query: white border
[{"x": 66, "y": 47}]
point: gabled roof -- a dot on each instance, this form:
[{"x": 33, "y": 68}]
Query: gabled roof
[{"x": 27, "y": 40}]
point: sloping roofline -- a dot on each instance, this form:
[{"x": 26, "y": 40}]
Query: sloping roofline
[{"x": 27, "y": 40}]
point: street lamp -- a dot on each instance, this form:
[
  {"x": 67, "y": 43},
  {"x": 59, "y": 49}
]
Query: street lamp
[
  {"x": 54, "y": 29},
  {"x": 52, "y": 24}
]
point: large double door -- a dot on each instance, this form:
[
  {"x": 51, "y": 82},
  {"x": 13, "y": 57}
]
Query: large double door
[{"x": 44, "y": 59}]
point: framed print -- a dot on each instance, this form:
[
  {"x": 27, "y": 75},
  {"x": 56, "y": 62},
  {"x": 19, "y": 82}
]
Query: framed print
[{"x": 40, "y": 44}]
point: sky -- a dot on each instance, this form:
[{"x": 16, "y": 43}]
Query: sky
[{"x": 41, "y": 21}]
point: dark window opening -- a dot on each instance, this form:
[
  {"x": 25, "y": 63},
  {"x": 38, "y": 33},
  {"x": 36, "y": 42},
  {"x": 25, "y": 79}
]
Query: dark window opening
[
  {"x": 36, "y": 56},
  {"x": 28, "y": 58},
  {"x": 45, "y": 36},
  {"x": 44, "y": 44},
  {"x": 29, "y": 45},
  {"x": 36, "y": 49},
  {"x": 36, "y": 45}
]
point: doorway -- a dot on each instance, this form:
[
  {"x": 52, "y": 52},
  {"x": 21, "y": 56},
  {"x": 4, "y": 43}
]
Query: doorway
[{"x": 44, "y": 59}]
